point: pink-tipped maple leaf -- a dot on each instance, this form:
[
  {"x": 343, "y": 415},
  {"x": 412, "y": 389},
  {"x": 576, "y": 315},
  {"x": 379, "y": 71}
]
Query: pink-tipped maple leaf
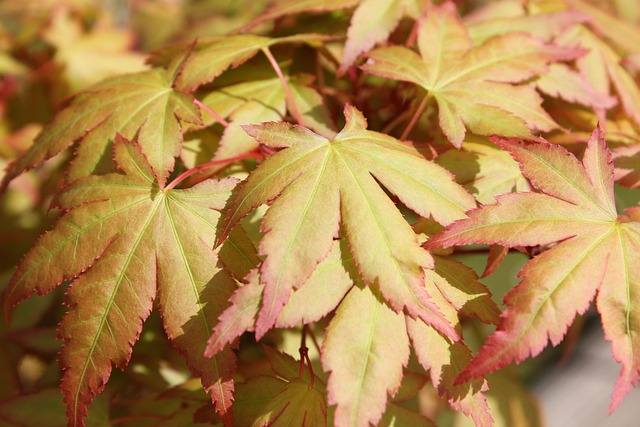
[
  {"x": 372, "y": 21},
  {"x": 596, "y": 253},
  {"x": 126, "y": 242},
  {"x": 365, "y": 348},
  {"x": 316, "y": 184},
  {"x": 143, "y": 105},
  {"x": 307, "y": 304},
  {"x": 476, "y": 88}
]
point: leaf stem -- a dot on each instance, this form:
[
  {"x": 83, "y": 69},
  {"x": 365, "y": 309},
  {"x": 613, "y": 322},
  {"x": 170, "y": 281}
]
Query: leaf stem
[
  {"x": 396, "y": 121},
  {"x": 285, "y": 85},
  {"x": 212, "y": 113},
  {"x": 416, "y": 116},
  {"x": 304, "y": 356},
  {"x": 413, "y": 35},
  {"x": 186, "y": 174}
]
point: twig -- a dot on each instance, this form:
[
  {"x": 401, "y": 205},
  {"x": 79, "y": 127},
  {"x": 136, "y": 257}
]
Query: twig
[
  {"x": 186, "y": 174},
  {"x": 416, "y": 116},
  {"x": 285, "y": 85},
  {"x": 213, "y": 114}
]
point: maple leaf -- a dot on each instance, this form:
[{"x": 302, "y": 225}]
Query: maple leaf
[
  {"x": 456, "y": 290},
  {"x": 141, "y": 104},
  {"x": 372, "y": 21},
  {"x": 316, "y": 184},
  {"x": 626, "y": 160},
  {"x": 282, "y": 396},
  {"x": 596, "y": 254},
  {"x": 483, "y": 169},
  {"x": 474, "y": 86},
  {"x": 364, "y": 366},
  {"x": 624, "y": 35},
  {"x": 506, "y": 17},
  {"x": 602, "y": 68},
  {"x": 298, "y": 404},
  {"x": 241, "y": 315},
  {"x": 562, "y": 82},
  {"x": 264, "y": 100},
  {"x": 123, "y": 240},
  {"x": 445, "y": 361},
  {"x": 92, "y": 56},
  {"x": 291, "y": 7},
  {"x": 210, "y": 57}
]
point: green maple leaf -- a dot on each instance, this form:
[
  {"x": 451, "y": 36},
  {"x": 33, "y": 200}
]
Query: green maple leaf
[
  {"x": 298, "y": 404},
  {"x": 597, "y": 254},
  {"x": 142, "y": 104},
  {"x": 208, "y": 58},
  {"x": 316, "y": 184},
  {"x": 264, "y": 100},
  {"x": 475, "y": 87},
  {"x": 291, "y": 7},
  {"x": 125, "y": 243},
  {"x": 483, "y": 169}
]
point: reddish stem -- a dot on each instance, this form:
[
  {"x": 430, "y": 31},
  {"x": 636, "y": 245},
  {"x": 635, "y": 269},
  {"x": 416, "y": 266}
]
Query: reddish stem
[
  {"x": 415, "y": 117},
  {"x": 285, "y": 85},
  {"x": 213, "y": 114},
  {"x": 304, "y": 356},
  {"x": 186, "y": 174},
  {"x": 413, "y": 35}
]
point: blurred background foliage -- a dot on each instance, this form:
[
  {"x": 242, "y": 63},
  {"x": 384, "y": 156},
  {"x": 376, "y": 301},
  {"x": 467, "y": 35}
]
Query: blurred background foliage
[{"x": 50, "y": 49}]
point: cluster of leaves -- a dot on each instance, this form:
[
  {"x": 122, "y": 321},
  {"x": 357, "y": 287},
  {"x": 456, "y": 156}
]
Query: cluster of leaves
[{"x": 305, "y": 177}]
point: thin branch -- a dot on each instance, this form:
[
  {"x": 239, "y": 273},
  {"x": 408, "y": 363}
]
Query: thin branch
[
  {"x": 303, "y": 350},
  {"x": 186, "y": 174},
  {"x": 304, "y": 356},
  {"x": 314, "y": 339},
  {"x": 212, "y": 113},
  {"x": 285, "y": 85},
  {"x": 416, "y": 116},
  {"x": 396, "y": 121},
  {"x": 413, "y": 35}
]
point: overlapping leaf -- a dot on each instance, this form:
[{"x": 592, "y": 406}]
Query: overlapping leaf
[
  {"x": 316, "y": 184},
  {"x": 259, "y": 101},
  {"x": 291, "y": 7},
  {"x": 372, "y": 21},
  {"x": 602, "y": 68},
  {"x": 209, "y": 58},
  {"x": 565, "y": 83},
  {"x": 499, "y": 18},
  {"x": 89, "y": 57},
  {"x": 475, "y": 87},
  {"x": 298, "y": 404},
  {"x": 143, "y": 104},
  {"x": 307, "y": 304},
  {"x": 597, "y": 254},
  {"x": 624, "y": 35},
  {"x": 483, "y": 169},
  {"x": 365, "y": 349},
  {"x": 626, "y": 160},
  {"x": 124, "y": 240}
]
